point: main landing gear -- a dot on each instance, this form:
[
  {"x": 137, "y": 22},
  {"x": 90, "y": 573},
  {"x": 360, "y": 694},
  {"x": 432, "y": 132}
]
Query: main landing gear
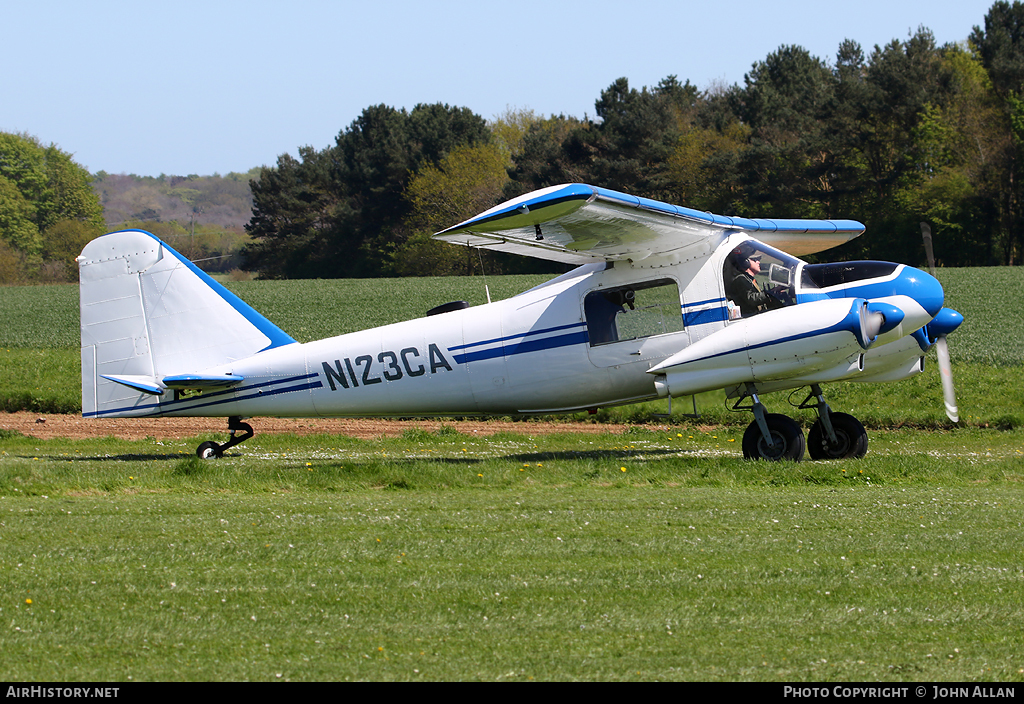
[
  {"x": 210, "y": 450},
  {"x": 773, "y": 436}
]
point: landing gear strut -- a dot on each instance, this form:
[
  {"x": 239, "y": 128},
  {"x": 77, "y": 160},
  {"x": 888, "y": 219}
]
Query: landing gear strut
[
  {"x": 833, "y": 436},
  {"x": 209, "y": 450},
  {"x": 772, "y": 436}
]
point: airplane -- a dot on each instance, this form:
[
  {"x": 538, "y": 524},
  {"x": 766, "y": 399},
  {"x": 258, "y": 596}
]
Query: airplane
[{"x": 664, "y": 301}]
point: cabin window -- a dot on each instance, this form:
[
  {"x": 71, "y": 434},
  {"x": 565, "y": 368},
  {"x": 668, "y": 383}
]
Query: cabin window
[
  {"x": 758, "y": 278},
  {"x": 631, "y": 312}
]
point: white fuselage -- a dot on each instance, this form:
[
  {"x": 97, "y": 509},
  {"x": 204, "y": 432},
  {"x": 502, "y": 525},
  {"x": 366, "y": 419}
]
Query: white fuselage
[
  {"x": 544, "y": 352},
  {"x": 526, "y": 354}
]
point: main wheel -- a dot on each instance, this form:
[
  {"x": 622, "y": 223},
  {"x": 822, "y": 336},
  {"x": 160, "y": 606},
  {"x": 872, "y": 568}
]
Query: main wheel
[
  {"x": 787, "y": 440},
  {"x": 208, "y": 451},
  {"x": 851, "y": 439}
]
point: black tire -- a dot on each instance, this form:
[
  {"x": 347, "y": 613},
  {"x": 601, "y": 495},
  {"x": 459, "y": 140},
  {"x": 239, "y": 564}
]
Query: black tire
[
  {"x": 851, "y": 439},
  {"x": 208, "y": 451},
  {"x": 787, "y": 437}
]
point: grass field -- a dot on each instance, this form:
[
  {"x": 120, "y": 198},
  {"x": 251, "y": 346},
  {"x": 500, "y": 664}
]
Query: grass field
[
  {"x": 654, "y": 554},
  {"x": 649, "y": 555}
]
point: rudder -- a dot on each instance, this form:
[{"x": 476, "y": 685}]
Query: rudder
[{"x": 147, "y": 313}]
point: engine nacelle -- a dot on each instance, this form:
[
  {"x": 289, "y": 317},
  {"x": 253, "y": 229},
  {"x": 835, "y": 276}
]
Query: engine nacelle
[
  {"x": 819, "y": 338},
  {"x": 892, "y": 362}
]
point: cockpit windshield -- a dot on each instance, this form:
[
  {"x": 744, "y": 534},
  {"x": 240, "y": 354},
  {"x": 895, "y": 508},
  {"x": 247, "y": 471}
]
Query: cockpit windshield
[
  {"x": 839, "y": 273},
  {"x": 758, "y": 278}
]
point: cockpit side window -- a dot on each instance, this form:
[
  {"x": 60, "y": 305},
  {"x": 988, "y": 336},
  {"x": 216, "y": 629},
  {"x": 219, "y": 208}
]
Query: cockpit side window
[
  {"x": 758, "y": 278},
  {"x": 631, "y": 312},
  {"x": 838, "y": 273}
]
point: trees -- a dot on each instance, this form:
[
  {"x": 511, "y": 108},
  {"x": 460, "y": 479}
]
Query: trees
[
  {"x": 960, "y": 156},
  {"x": 42, "y": 191},
  {"x": 787, "y": 164},
  {"x": 554, "y": 150},
  {"x": 626, "y": 147},
  {"x": 906, "y": 132},
  {"x": 223, "y": 201},
  {"x": 637, "y": 134},
  {"x": 295, "y": 209},
  {"x": 18, "y": 220},
  {"x": 467, "y": 181},
  {"x": 339, "y": 212},
  {"x": 1000, "y": 46}
]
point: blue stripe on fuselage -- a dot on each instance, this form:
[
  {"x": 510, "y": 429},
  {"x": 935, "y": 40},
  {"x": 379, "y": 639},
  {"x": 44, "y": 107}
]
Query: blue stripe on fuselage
[
  {"x": 524, "y": 347},
  {"x": 704, "y": 317},
  {"x": 167, "y": 406},
  {"x": 512, "y": 337}
]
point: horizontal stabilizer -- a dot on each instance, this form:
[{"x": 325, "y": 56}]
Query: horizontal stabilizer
[
  {"x": 202, "y": 381},
  {"x": 151, "y": 385},
  {"x": 138, "y": 382}
]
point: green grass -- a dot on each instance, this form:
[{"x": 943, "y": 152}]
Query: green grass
[
  {"x": 39, "y": 317},
  {"x": 40, "y": 380},
  {"x": 646, "y": 555},
  {"x": 991, "y": 301},
  {"x": 443, "y": 556}
]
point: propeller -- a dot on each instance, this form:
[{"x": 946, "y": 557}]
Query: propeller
[
  {"x": 946, "y": 373},
  {"x": 941, "y": 346},
  {"x": 926, "y": 235}
]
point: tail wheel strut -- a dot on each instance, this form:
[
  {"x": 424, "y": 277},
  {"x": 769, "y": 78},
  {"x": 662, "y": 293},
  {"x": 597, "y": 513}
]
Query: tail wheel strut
[{"x": 210, "y": 450}]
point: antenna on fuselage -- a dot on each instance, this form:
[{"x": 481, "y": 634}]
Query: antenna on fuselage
[{"x": 483, "y": 274}]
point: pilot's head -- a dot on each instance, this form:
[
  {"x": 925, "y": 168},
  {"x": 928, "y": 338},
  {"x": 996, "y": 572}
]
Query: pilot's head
[{"x": 742, "y": 256}]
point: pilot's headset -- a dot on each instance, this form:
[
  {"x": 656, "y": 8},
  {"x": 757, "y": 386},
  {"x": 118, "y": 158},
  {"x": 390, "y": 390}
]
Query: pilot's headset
[{"x": 739, "y": 258}]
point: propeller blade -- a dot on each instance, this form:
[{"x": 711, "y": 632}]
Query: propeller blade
[
  {"x": 926, "y": 235},
  {"x": 946, "y": 373}
]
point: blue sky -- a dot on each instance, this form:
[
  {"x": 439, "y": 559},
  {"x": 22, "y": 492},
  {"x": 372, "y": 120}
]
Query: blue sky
[{"x": 219, "y": 86}]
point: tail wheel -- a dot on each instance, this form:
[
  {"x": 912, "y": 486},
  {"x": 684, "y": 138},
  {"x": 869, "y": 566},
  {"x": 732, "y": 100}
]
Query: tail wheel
[
  {"x": 787, "y": 440},
  {"x": 851, "y": 439},
  {"x": 208, "y": 451}
]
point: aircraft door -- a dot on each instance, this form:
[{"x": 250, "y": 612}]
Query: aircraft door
[
  {"x": 706, "y": 308},
  {"x": 758, "y": 278},
  {"x": 633, "y": 323}
]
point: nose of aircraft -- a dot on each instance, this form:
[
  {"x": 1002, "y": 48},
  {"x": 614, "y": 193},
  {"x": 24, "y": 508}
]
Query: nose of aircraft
[{"x": 923, "y": 288}]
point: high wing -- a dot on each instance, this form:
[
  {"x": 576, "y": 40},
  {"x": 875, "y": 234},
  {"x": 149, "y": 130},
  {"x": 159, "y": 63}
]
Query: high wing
[{"x": 576, "y": 224}]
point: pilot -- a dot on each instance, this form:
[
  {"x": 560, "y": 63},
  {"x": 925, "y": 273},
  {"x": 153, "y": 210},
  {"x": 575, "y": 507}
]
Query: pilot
[{"x": 744, "y": 289}]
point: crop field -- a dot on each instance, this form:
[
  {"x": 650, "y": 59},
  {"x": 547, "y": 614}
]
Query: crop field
[
  {"x": 39, "y": 344},
  {"x": 47, "y": 316},
  {"x": 652, "y": 554}
]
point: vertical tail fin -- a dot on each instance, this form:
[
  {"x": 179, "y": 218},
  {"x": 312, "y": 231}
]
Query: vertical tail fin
[{"x": 146, "y": 313}]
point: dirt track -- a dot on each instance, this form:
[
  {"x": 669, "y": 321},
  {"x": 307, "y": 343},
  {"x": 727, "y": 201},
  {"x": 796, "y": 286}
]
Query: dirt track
[{"x": 71, "y": 426}]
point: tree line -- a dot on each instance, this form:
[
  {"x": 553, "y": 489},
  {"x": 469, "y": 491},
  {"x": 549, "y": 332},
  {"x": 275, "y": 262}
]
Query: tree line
[
  {"x": 50, "y": 207},
  {"x": 909, "y": 132},
  {"x": 48, "y": 210}
]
